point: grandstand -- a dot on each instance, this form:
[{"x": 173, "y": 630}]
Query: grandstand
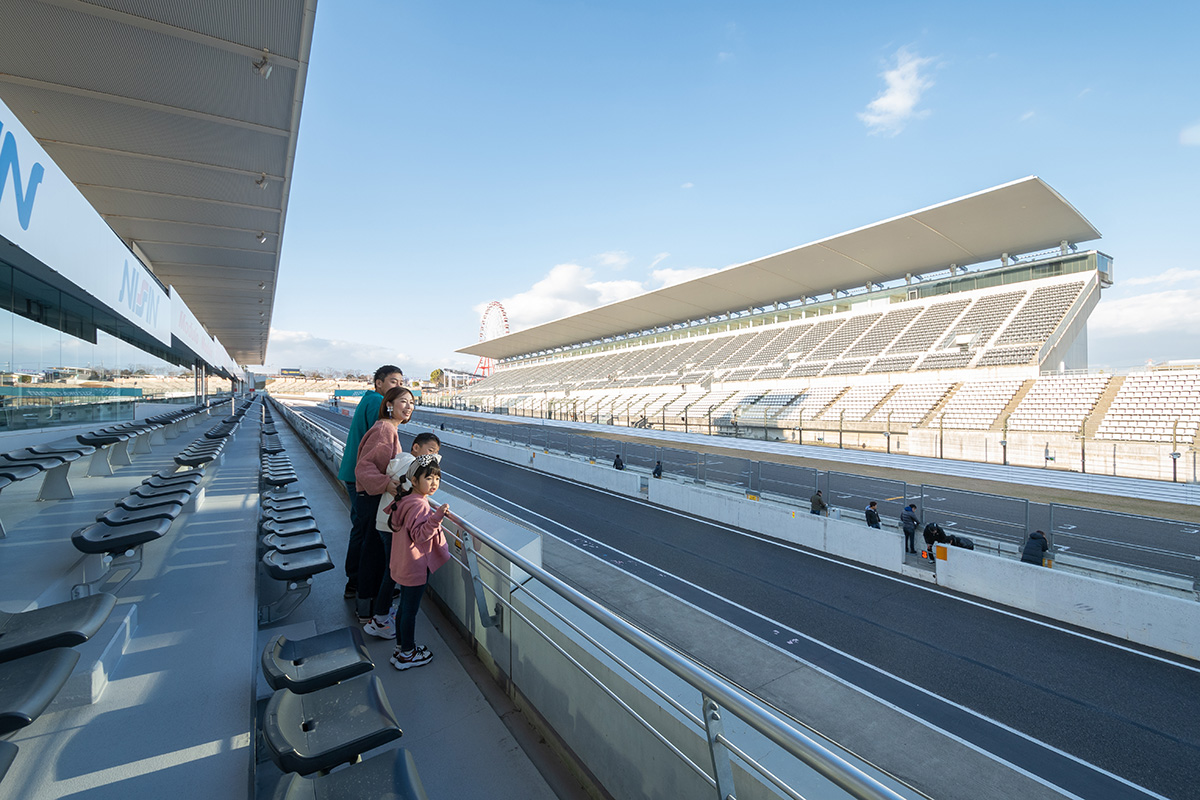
[{"x": 925, "y": 351}]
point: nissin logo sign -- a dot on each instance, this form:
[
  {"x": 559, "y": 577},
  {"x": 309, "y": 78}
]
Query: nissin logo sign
[
  {"x": 25, "y": 193},
  {"x": 137, "y": 293}
]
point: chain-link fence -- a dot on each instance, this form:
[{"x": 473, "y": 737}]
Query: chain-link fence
[{"x": 1163, "y": 546}]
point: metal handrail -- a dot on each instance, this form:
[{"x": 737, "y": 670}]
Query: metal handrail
[{"x": 747, "y": 708}]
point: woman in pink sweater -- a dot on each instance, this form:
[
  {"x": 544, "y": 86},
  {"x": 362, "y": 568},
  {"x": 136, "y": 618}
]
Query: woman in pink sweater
[
  {"x": 379, "y": 445},
  {"x": 418, "y": 549}
]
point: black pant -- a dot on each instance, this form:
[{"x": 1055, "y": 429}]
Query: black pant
[
  {"x": 387, "y": 586},
  {"x": 371, "y": 559},
  {"x": 910, "y": 538},
  {"x": 354, "y": 546}
]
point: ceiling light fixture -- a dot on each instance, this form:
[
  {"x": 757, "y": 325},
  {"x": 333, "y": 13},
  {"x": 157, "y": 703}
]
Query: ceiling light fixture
[
  {"x": 262, "y": 237},
  {"x": 262, "y": 285},
  {"x": 262, "y": 181},
  {"x": 263, "y": 66}
]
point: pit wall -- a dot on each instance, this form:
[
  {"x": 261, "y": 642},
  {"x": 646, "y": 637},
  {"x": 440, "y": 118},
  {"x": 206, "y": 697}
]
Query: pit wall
[
  {"x": 1146, "y": 617},
  {"x": 1165, "y": 623}
]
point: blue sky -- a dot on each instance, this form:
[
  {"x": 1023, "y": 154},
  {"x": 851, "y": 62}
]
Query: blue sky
[{"x": 557, "y": 155}]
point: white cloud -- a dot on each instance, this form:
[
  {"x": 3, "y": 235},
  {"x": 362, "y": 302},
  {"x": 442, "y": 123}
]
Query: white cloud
[
  {"x": 567, "y": 289},
  {"x": 1170, "y": 277},
  {"x": 301, "y": 350},
  {"x": 658, "y": 259},
  {"x": 1190, "y": 135},
  {"x": 897, "y": 104},
  {"x": 571, "y": 288},
  {"x": 1028, "y": 115},
  {"x": 1172, "y": 313},
  {"x": 615, "y": 259},
  {"x": 687, "y": 185}
]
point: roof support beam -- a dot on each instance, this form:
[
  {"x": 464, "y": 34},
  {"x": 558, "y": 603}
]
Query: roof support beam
[
  {"x": 155, "y": 26},
  {"x": 144, "y": 104}
]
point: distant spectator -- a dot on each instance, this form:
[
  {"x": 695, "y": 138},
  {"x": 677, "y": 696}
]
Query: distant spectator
[
  {"x": 817, "y": 504},
  {"x": 909, "y": 523},
  {"x": 657, "y": 469},
  {"x": 934, "y": 535},
  {"x": 386, "y": 377},
  {"x": 618, "y": 463},
  {"x": 873, "y": 515},
  {"x": 443, "y": 426},
  {"x": 1035, "y": 548}
]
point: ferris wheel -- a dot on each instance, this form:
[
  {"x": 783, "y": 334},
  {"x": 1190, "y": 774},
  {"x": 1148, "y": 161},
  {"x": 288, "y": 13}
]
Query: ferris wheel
[{"x": 492, "y": 325}]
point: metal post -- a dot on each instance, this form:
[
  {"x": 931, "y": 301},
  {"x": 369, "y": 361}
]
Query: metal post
[
  {"x": 489, "y": 620},
  {"x": 1174, "y": 454},
  {"x": 841, "y": 425},
  {"x": 714, "y": 729},
  {"x": 1049, "y": 533}
]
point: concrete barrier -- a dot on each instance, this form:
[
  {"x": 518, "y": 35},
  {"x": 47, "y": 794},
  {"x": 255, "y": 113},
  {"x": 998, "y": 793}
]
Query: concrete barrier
[
  {"x": 849, "y": 540},
  {"x": 865, "y": 545},
  {"x": 602, "y": 476},
  {"x": 1150, "y": 618}
]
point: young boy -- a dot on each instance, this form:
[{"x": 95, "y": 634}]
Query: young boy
[{"x": 381, "y": 624}]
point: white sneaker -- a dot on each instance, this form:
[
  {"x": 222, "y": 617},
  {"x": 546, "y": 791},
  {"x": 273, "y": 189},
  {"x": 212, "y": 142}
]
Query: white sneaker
[
  {"x": 382, "y": 630},
  {"x": 417, "y": 658}
]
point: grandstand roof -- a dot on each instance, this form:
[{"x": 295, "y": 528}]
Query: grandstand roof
[
  {"x": 1017, "y": 217},
  {"x": 162, "y": 117}
]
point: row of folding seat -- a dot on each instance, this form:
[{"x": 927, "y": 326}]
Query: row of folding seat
[
  {"x": 328, "y": 708},
  {"x": 36, "y": 646},
  {"x": 292, "y": 550}
]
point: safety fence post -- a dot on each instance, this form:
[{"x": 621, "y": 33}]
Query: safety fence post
[
  {"x": 714, "y": 729},
  {"x": 489, "y": 620}
]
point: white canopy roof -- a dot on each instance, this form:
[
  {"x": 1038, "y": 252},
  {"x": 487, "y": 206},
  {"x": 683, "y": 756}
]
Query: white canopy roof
[
  {"x": 1018, "y": 217},
  {"x": 166, "y": 118}
]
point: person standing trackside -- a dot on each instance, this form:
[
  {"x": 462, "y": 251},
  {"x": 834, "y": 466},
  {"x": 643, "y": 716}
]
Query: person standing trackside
[
  {"x": 909, "y": 523},
  {"x": 817, "y": 504},
  {"x": 386, "y": 377},
  {"x": 1035, "y": 548},
  {"x": 618, "y": 463},
  {"x": 873, "y": 515}
]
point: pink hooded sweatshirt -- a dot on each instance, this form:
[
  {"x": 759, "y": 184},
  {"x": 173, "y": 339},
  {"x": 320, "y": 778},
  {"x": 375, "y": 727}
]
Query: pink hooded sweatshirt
[{"x": 418, "y": 543}]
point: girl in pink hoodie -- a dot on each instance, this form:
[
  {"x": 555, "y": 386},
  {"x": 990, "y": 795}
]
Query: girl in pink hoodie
[{"x": 418, "y": 548}]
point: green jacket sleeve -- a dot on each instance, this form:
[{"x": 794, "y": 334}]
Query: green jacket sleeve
[{"x": 365, "y": 416}]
